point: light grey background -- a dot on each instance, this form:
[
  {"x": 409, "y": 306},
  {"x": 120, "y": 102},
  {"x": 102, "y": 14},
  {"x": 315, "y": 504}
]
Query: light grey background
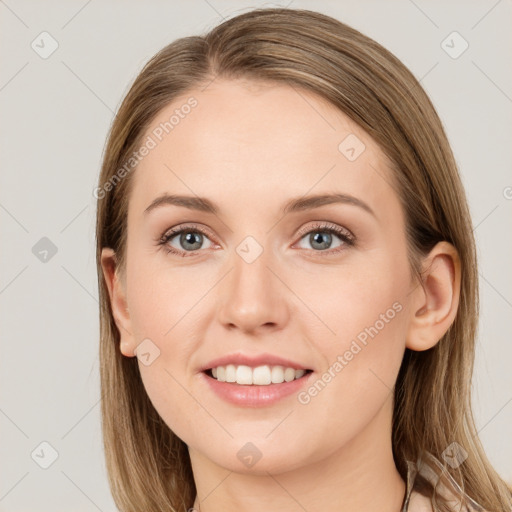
[{"x": 55, "y": 115}]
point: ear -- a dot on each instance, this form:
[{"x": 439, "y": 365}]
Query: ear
[
  {"x": 117, "y": 293},
  {"x": 435, "y": 301}
]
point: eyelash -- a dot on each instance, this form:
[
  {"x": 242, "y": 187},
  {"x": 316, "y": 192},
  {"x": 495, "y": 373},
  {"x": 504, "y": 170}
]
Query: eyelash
[{"x": 345, "y": 235}]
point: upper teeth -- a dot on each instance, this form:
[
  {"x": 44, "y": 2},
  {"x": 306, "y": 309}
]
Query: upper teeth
[{"x": 260, "y": 376}]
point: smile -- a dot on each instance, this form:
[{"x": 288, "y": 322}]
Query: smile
[{"x": 258, "y": 376}]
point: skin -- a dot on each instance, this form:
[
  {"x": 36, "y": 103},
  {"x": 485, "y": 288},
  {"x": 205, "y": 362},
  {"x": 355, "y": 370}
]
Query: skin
[{"x": 250, "y": 148}]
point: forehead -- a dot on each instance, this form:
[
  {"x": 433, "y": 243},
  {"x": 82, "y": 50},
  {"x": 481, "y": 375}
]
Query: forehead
[{"x": 257, "y": 144}]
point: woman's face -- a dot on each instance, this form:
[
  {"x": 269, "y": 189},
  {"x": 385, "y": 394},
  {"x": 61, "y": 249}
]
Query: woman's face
[{"x": 271, "y": 276}]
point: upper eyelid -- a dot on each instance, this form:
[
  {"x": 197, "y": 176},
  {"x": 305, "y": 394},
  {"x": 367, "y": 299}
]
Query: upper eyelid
[
  {"x": 183, "y": 227},
  {"x": 327, "y": 226}
]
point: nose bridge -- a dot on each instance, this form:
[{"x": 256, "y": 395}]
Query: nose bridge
[
  {"x": 251, "y": 296},
  {"x": 250, "y": 272}
]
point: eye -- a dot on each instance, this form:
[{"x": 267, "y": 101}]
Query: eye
[
  {"x": 187, "y": 240},
  {"x": 321, "y": 237},
  {"x": 184, "y": 240}
]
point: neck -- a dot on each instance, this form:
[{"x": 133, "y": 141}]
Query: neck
[{"x": 361, "y": 475}]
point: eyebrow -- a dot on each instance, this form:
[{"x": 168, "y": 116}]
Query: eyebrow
[{"x": 294, "y": 205}]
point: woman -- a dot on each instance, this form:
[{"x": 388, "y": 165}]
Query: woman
[{"x": 312, "y": 349}]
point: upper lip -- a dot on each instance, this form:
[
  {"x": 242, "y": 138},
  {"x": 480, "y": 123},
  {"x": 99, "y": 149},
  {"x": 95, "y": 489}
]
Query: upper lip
[{"x": 253, "y": 361}]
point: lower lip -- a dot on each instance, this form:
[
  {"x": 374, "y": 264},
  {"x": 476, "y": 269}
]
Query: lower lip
[{"x": 255, "y": 396}]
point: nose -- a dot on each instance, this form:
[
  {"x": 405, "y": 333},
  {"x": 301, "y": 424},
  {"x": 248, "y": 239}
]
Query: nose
[{"x": 252, "y": 298}]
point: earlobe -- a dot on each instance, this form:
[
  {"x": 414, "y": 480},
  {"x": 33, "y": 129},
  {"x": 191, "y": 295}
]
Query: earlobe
[
  {"x": 436, "y": 300},
  {"x": 117, "y": 295}
]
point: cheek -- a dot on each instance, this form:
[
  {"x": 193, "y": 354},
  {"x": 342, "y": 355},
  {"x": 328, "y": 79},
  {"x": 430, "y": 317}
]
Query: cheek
[
  {"x": 162, "y": 299},
  {"x": 163, "y": 309},
  {"x": 166, "y": 309},
  {"x": 366, "y": 308},
  {"x": 361, "y": 362},
  {"x": 361, "y": 301}
]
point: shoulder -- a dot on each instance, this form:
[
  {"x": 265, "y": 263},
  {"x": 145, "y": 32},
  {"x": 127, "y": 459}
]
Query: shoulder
[
  {"x": 429, "y": 482},
  {"x": 419, "y": 503}
]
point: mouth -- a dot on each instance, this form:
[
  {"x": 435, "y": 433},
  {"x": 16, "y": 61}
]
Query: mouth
[{"x": 263, "y": 375}]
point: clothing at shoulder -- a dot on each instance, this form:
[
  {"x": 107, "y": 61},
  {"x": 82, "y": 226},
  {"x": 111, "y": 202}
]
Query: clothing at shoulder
[{"x": 430, "y": 469}]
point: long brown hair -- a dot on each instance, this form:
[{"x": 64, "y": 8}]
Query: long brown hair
[{"x": 148, "y": 465}]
